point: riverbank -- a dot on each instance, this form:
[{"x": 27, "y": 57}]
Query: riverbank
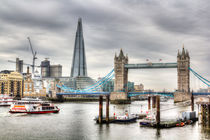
[{"x": 74, "y": 99}]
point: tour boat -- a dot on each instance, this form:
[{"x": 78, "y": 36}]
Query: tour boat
[
  {"x": 6, "y": 100},
  {"x": 33, "y": 107}
]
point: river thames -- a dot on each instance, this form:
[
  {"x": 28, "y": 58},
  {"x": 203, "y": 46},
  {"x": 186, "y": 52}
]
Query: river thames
[{"x": 75, "y": 122}]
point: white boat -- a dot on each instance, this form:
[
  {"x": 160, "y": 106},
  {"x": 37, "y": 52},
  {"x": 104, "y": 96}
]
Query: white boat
[
  {"x": 6, "y": 100},
  {"x": 125, "y": 118},
  {"x": 33, "y": 107},
  {"x": 163, "y": 99}
]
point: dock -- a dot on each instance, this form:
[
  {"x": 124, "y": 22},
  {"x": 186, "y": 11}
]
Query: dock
[{"x": 166, "y": 124}]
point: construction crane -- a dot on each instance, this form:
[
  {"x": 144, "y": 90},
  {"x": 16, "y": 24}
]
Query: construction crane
[
  {"x": 33, "y": 54},
  {"x": 18, "y": 68},
  {"x": 11, "y": 61},
  {"x": 15, "y": 62}
]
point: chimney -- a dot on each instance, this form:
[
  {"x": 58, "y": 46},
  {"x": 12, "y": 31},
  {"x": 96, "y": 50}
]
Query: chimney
[{"x": 27, "y": 70}]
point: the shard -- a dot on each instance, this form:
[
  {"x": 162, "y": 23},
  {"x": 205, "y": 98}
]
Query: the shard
[
  {"x": 79, "y": 79},
  {"x": 79, "y": 67}
]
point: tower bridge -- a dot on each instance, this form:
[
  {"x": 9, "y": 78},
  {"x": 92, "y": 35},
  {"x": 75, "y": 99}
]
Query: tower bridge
[
  {"x": 120, "y": 72},
  {"x": 121, "y": 67}
]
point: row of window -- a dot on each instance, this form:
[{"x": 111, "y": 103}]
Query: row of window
[
  {"x": 28, "y": 85},
  {"x": 47, "y": 108}
]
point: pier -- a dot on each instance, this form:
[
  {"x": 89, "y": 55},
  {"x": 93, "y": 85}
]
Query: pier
[
  {"x": 107, "y": 119},
  {"x": 204, "y": 115}
]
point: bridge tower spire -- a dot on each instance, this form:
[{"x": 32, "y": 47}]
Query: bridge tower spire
[
  {"x": 183, "y": 64},
  {"x": 183, "y": 73},
  {"x": 121, "y": 73}
]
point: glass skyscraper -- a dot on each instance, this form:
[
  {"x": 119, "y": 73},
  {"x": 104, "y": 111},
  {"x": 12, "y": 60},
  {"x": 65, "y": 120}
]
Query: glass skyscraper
[{"x": 79, "y": 78}]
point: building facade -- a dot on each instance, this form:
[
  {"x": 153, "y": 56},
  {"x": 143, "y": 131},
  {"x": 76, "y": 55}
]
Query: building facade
[
  {"x": 45, "y": 68},
  {"x": 33, "y": 86},
  {"x": 203, "y": 90},
  {"x": 55, "y": 70},
  {"x": 19, "y": 65},
  {"x": 11, "y": 83},
  {"x": 109, "y": 86},
  {"x": 139, "y": 88},
  {"x": 48, "y": 70}
]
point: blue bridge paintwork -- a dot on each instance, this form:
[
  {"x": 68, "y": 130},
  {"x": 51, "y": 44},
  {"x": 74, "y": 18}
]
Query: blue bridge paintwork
[
  {"x": 92, "y": 90},
  {"x": 200, "y": 93},
  {"x": 132, "y": 94},
  {"x": 170, "y": 94},
  {"x": 84, "y": 93}
]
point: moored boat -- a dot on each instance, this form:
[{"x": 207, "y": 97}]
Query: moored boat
[
  {"x": 125, "y": 119},
  {"x": 6, "y": 100}
]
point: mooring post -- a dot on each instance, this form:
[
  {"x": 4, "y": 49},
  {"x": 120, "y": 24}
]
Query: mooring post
[
  {"x": 149, "y": 103},
  {"x": 198, "y": 113},
  {"x": 153, "y": 101},
  {"x": 202, "y": 113},
  {"x": 208, "y": 115},
  {"x": 100, "y": 117},
  {"x": 205, "y": 114},
  {"x": 192, "y": 102},
  {"x": 107, "y": 109},
  {"x": 158, "y": 111}
]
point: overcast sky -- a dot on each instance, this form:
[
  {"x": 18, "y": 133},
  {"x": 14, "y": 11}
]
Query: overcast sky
[{"x": 144, "y": 29}]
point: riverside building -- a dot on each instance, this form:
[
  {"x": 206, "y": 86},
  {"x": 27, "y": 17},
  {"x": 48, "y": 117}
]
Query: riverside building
[{"x": 11, "y": 83}]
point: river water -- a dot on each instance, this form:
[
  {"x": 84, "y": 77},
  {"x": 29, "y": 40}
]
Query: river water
[{"x": 75, "y": 122}]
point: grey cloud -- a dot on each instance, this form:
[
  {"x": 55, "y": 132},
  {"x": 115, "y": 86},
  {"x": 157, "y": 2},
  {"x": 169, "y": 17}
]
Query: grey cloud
[{"x": 143, "y": 28}]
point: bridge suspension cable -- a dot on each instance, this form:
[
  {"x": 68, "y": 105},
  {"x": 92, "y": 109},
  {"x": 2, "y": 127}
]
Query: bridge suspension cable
[
  {"x": 92, "y": 88},
  {"x": 201, "y": 78}
]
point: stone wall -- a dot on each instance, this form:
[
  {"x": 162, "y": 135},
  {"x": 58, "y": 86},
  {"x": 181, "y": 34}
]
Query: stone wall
[
  {"x": 119, "y": 98},
  {"x": 181, "y": 96}
]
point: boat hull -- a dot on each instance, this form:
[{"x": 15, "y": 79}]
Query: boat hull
[
  {"x": 43, "y": 112},
  {"x": 35, "y": 112},
  {"x": 125, "y": 120},
  {"x": 4, "y": 104}
]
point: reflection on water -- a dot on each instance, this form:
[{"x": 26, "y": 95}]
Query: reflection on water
[
  {"x": 205, "y": 131},
  {"x": 158, "y": 133},
  {"x": 75, "y": 121}
]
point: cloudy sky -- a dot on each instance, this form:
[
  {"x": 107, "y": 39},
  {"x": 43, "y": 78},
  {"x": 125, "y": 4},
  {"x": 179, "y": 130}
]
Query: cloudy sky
[{"x": 144, "y": 29}]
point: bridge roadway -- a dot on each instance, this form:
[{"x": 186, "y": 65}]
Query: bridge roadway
[
  {"x": 132, "y": 94},
  {"x": 150, "y": 65}
]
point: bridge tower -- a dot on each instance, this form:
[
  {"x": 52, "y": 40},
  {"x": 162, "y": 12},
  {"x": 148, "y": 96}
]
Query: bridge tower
[
  {"x": 183, "y": 73},
  {"x": 121, "y": 74},
  {"x": 121, "y": 79}
]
